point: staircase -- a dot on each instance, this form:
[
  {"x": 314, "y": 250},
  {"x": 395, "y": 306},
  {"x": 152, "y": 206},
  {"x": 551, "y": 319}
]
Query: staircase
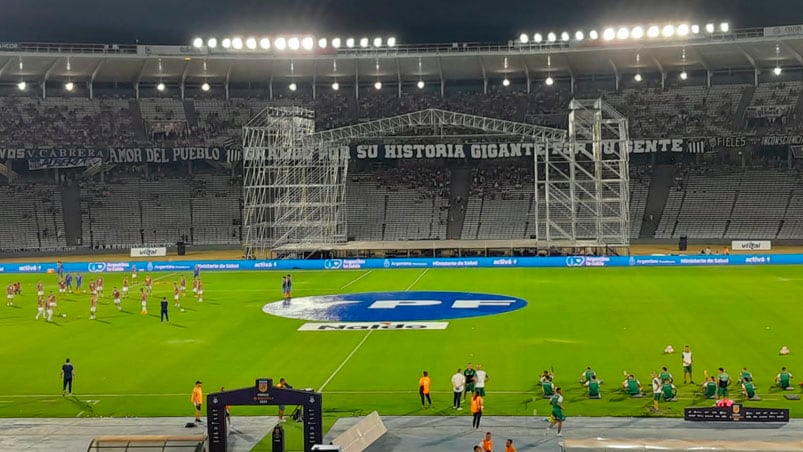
[
  {"x": 459, "y": 187},
  {"x": 139, "y": 123},
  {"x": 190, "y": 113},
  {"x": 660, "y": 184},
  {"x": 71, "y": 209},
  {"x": 747, "y": 99}
]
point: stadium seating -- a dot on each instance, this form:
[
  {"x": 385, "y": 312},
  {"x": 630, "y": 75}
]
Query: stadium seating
[{"x": 32, "y": 218}]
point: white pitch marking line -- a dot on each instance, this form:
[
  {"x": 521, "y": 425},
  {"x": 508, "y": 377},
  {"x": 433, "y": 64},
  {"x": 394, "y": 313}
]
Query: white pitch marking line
[
  {"x": 416, "y": 280},
  {"x": 79, "y": 414},
  {"x": 365, "y": 338},
  {"x": 357, "y": 279}
]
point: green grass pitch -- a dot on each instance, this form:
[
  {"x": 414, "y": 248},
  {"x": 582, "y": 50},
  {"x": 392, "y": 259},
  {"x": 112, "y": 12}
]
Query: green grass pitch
[{"x": 612, "y": 319}]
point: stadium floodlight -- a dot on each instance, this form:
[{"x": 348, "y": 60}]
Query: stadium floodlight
[
  {"x": 264, "y": 43},
  {"x": 608, "y": 34},
  {"x": 322, "y": 43},
  {"x": 391, "y": 41},
  {"x": 335, "y": 86},
  {"x": 623, "y": 33},
  {"x": 237, "y": 43},
  {"x": 226, "y": 43},
  {"x": 653, "y": 31},
  {"x": 350, "y": 43},
  {"x": 22, "y": 85},
  {"x": 69, "y": 86},
  {"x": 378, "y": 85},
  {"x": 524, "y": 38},
  {"x": 160, "y": 87},
  {"x": 668, "y": 31},
  {"x": 377, "y": 42},
  {"x": 684, "y": 75},
  {"x": 593, "y": 35},
  {"x": 695, "y": 29},
  {"x": 777, "y": 70},
  {"x": 293, "y": 86},
  {"x": 551, "y": 37},
  {"x": 724, "y": 27},
  {"x": 637, "y": 77},
  {"x": 211, "y": 43},
  {"x": 579, "y": 36},
  {"x": 205, "y": 87},
  {"x": 683, "y": 30},
  {"x": 251, "y": 43},
  {"x": 336, "y": 43},
  {"x": 709, "y": 28},
  {"x": 538, "y": 38},
  {"x": 505, "y": 82},
  {"x": 549, "y": 81},
  {"x": 420, "y": 84},
  {"x": 564, "y": 36},
  {"x": 197, "y": 43},
  {"x": 363, "y": 42},
  {"x": 280, "y": 43},
  {"x": 293, "y": 43},
  {"x": 637, "y": 33},
  {"x": 307, "y": 43}
]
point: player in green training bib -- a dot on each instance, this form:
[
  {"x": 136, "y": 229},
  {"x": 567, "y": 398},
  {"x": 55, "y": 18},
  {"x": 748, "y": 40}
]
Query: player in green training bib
[
  {"x": 469, "y": 373},
  {"x": 749, "y": 390},
  {"x": 745, "y": 376},
  {"x": 593, "y": 388},
  {"x": 585, "y": 377},
  {"x": 666, "y": 376},
  {"x": 632, "y": 386},
  {"x": 547, "y": 387},
  {"x": 784, "y": 379},
  {"x": 668, "y": 391},
  {"x": 558, "y": 414},
  {"x": 724, "y": 380},
  {"x": 710, "y": 388}
]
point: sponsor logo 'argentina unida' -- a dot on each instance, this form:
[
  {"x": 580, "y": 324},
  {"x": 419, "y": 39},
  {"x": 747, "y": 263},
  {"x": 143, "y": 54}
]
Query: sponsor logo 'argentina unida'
[{"x": 394, "y": 306}]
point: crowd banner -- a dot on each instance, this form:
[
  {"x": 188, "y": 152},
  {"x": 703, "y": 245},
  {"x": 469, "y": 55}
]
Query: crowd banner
[
  {"x": 784, "y": 30},
  {"x": 768, "y": 111},
  {"x": 361, "y": 264},
  {"x": 159, "y": 251},
  {"x": 80, "y": 156},
  {"x": 751, "y": 245}
]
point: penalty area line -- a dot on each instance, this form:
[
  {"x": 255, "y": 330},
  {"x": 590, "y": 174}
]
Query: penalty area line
[
  {"x": 357, "y": 279},
  {"x": 365, "y": 338}
]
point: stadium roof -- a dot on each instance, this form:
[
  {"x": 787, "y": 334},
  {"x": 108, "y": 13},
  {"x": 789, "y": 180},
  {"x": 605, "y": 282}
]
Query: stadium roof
[{"x": 759, "y": 49}]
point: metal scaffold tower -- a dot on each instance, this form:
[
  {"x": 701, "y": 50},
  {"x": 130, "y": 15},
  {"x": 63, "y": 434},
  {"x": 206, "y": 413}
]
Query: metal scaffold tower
[
  {"x": 293, "y": 188},
  {"x": 582, "y": 187}
]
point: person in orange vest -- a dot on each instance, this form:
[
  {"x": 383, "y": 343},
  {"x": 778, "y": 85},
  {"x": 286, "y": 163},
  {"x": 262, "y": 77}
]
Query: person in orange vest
[
  {"x": 509, "y": 446},
  {"x": 487, "y": 443},
  {"x": 423, "y": 389},
  {"x": 197, "y": 400},
  {"x": 476, "y": 409}
]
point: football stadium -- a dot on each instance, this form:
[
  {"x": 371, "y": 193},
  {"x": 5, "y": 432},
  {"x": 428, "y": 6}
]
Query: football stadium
[{"x": 587, "y": 239}]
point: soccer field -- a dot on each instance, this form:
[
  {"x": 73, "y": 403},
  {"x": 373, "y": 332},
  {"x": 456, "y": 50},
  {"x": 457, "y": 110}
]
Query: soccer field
[{"x": 613, "y": 319}]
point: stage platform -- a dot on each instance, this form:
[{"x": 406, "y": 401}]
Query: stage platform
[{"x": 443, "y": 248}]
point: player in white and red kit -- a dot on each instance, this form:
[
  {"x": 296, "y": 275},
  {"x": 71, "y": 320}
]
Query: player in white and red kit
[
  {"x": 183, "y": 286},
  {"x": 143, "y": 301},
  {"x": 93, "y": 306},
  {"x": 62, "y": 286},
  {"x": 40, "y": 289},
  {"x": 116, "y": 298},
  {"x": 125, "y": 287},
  {"x": 93, "y": 288},
  {"x": 195, "y": 287},
  {"x": 149, "y": 284},
  {"x": 10, "y": 295},
  {"x": 200, "y": 291},
  {"x": 176, "y": 294},
  {"x": 40, "y": 307},
  {"x": 99, "y": 287},
  {"x": 51, "y": 306}
]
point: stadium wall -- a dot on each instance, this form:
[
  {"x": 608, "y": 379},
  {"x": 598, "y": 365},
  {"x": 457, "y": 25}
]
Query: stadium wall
[{"x": 358, "y": 264}]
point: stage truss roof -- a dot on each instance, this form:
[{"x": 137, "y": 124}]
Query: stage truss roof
[{"x": 741, "y": 50}]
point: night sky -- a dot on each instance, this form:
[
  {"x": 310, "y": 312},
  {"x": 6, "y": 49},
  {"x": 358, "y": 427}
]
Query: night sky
[{"x": 411, "y": 21}]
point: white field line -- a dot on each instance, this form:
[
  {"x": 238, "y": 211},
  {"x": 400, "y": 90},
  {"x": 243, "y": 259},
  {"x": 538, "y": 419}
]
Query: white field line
[
  {"x": 365, "y": 338},
  {"x": 357, "y": 279}
]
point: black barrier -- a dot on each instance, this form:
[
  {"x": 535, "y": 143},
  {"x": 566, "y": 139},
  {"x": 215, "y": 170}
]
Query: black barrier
[
  {"x": 263, "y": 393},
  {"x": 736, "y": 413}
]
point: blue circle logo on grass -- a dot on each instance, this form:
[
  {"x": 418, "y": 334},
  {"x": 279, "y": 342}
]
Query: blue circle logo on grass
[{"x": 394, "y": 306}]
